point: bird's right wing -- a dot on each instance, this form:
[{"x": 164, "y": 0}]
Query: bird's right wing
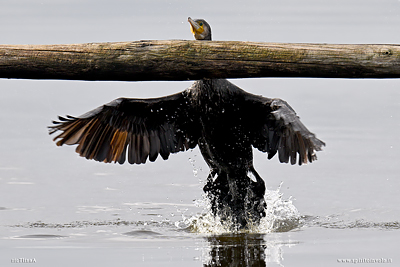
[{"x": 136, "y": 128}]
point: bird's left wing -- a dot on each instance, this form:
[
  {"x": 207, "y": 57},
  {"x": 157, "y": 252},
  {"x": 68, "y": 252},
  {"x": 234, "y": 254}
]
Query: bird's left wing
[
  {"x": 275, "y": 128},
  {"x": 136, "y": 128}
]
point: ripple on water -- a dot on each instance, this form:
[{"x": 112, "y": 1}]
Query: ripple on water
[
  {"x": 142, "y": 233},
  {"x": 281, "y": 216},
  {"x": 84, "y": 224},
  {"x": 337, "y": 222},
  {"x": 40, "y": 236}
]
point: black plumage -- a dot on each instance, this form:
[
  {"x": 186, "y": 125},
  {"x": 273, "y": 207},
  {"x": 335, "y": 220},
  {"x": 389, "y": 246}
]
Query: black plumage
[
  {"x": 215, "y": 111},
  {"x": 222, "y": 119}
]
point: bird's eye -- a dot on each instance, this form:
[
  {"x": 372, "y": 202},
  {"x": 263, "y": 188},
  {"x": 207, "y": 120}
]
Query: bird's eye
[{"x": 201, "y": 23}]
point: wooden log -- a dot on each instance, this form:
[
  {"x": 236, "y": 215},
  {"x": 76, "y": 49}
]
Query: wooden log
[{"x": 191, "y": 60}]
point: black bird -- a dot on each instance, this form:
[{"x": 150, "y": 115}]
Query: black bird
[{"x": 222, "y": 119}]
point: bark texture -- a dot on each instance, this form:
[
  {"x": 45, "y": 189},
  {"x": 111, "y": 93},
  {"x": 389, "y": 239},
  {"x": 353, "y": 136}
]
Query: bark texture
[{"x": 192, "y": 60}]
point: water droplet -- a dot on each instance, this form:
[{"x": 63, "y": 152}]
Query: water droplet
[{"x": 281, "y": 215}]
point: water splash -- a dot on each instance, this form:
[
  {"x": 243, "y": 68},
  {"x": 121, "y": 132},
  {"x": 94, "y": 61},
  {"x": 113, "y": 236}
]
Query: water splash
[
  {"x": 281, "y": 216},
  {"x": 192, "y": 162}
]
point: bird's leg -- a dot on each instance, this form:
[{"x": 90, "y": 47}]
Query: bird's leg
[
  {"x": 237, "y": 195},
  {"x": 217, "y": 191},
  {"x": 210, "y": 191},
  {"x": 256, "y": 203},
  {"x": 210, "y": 181},
  {"x": 245, "y": 198}
]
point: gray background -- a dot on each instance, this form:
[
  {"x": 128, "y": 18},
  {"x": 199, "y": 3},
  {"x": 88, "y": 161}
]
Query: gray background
[{"x": 64, "y": 210}]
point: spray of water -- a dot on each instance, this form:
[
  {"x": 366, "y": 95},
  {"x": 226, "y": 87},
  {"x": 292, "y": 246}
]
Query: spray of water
[{"x": 281, "y": 216}]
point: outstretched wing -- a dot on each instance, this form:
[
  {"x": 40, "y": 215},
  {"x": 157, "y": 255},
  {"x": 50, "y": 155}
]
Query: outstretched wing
[
  {"x": 136, "y": 128},
  {"x": 275, "y": 127}
]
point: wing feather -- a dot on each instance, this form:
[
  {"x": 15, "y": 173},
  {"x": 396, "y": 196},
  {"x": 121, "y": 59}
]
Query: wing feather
[
  {"x": 275, "y": 128},
  {"x": 133, "y": 129},
  {"x": 154, "y": 140}
]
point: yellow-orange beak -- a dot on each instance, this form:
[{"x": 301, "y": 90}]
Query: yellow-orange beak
[{"x": 195, "y": 27}]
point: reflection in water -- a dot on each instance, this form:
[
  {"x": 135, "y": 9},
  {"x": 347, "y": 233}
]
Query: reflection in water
[
  {"x": 242, "y": 250},
  {"x": 237, "y": 250}
]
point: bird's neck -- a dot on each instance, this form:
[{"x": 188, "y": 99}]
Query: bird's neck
[
  {"x": 213, "y": 88},
  {"x": 208, "y": 86}
]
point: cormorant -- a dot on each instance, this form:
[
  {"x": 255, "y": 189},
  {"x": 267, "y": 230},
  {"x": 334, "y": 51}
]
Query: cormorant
[{"x": 222, "y": 119}]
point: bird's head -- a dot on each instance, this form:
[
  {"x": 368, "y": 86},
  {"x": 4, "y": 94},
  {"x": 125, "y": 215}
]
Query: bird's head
[{"x": 200, "y": 29}]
